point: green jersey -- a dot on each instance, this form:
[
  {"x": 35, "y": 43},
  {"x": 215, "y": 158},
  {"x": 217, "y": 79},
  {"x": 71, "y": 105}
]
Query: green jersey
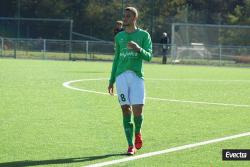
[{"x": 127, "y": 59}]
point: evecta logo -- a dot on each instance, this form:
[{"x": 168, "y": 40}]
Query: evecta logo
[
  {"x": 128, "y": 53},
  {"x": 235, "y": 154}
]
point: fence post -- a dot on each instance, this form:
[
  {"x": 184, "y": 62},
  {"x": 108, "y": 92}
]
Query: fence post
[
  {"x": 15, "y": 46},
  {"x": 173, "y": 53},
  {"x": 172, "y": 40},
  {"x": 87, "y": 48},
  {"x": 70, "y": 38},
  {"x": 44, "y": 49},
  {"x": 220, "y": 54},
  {"x": 2, "y": 47}
]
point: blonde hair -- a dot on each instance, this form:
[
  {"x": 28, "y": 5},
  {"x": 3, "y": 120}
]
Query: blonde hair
[
  {"x": 133, "y": 10},
  {"x": 119, "y": 22}
]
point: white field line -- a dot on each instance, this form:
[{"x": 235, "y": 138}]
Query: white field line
[
  {"x": 173, "y": 149},
  {"x": 195, "y": 79},
  {"x": 68, "y": 85},
  {"x": 169, "y": 150},
  {"x": 199, "y": 102}
]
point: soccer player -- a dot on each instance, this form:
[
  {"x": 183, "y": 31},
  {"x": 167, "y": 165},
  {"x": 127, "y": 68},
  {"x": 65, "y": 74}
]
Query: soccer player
[{"x": 132, "y": 47}]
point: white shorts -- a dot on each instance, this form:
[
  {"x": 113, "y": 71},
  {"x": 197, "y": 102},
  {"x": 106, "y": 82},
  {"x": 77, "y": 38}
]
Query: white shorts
[{"x": 130, "y": 88}]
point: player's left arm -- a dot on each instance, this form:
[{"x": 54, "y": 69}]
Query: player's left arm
[{"x": 144, "y": 51}]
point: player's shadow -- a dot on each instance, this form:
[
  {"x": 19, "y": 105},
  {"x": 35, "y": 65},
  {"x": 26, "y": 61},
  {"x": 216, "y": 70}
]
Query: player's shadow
[{"x": 56, "y": 161}]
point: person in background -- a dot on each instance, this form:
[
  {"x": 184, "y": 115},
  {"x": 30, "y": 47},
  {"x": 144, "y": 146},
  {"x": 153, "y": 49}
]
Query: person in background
[
  {"x": 165, "y": 45},
  {"x": 118, "y": 27}
]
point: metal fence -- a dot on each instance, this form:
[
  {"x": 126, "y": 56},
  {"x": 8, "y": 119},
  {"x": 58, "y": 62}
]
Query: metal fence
[
  {"x": 54, "y": 49},
  {"x": 60, "y": 49},
  {"x": 103, "y": 50},
  {"x": 211, "y": 55}
]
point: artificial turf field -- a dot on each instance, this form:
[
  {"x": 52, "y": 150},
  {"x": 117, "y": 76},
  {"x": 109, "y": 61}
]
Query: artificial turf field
[{"x": 43, "y": 123}]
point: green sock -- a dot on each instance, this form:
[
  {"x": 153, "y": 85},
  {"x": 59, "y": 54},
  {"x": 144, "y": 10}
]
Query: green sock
[
  {"x": 129, "y": 129},
  {"x": 138, "y": 123}
]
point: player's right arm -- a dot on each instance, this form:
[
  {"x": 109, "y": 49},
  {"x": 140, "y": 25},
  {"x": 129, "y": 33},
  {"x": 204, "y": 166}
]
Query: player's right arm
[{"x": 114, "y": 68}]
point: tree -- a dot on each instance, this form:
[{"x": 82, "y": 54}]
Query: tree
[{"x": 97, "y": 17}]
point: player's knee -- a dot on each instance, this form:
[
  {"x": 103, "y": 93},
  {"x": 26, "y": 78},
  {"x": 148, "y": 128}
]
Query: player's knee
[
  {"x": 126, "y": 109},
  {"x": 137, "y": 109}
]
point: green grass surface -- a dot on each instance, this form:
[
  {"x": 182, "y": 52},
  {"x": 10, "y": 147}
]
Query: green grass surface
[{"x": 46, "y": 124}]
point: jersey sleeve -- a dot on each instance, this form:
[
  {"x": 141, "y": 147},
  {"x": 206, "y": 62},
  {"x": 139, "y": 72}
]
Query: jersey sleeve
[
  {"x": 146, "y": 49},
  {"x": 115, "y": 63}
]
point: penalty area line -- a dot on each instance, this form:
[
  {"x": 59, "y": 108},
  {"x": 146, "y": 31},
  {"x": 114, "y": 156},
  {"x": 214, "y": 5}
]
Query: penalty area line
[{"x": 169, "y": 150}]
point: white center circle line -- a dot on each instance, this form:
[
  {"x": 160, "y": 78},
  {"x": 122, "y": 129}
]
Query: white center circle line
[
  {"x": 169, "y": 150},
  {"x": 68, "y": 85}
]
